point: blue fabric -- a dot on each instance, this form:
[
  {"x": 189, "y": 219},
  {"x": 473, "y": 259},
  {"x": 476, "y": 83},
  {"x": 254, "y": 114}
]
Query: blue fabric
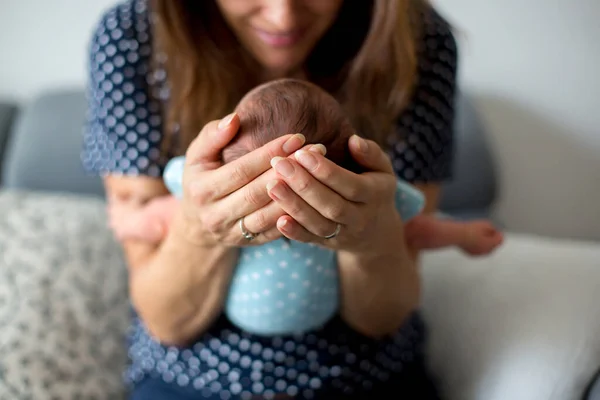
[{"x": 329, "y": 363}]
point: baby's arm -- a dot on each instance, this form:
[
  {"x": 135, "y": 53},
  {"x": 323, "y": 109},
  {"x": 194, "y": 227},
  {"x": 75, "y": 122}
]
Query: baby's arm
[
  {"x": 148, "y": 222},
  {"x": 474, "y": 237}
]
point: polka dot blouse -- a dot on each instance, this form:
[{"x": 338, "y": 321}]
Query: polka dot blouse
[{"x": 122, "y": 136}]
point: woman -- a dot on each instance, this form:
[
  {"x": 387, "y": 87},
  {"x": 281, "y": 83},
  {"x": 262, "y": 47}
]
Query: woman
[{"x": 161, "y": 72}]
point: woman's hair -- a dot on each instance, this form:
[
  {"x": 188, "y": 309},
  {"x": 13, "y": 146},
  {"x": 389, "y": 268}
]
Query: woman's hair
[
  {"x": 367, "y": 60},
  {"x": 287, "y": 106}
]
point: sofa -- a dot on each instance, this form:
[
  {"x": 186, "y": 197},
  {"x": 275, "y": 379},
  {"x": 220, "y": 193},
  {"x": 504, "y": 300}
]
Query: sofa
[{"x": 523, "y": 323}]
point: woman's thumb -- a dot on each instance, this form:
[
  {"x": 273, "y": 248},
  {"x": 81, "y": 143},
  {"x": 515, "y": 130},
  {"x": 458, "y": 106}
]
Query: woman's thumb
[
  {"x": 369, "y": 154},
  {"x": 206, "y": 149}
]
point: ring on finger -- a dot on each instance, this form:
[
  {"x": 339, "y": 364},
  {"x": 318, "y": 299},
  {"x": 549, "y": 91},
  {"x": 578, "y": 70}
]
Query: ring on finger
[
  {"x": 338, "y": 228},
  {"x": 246, "y": 233}
]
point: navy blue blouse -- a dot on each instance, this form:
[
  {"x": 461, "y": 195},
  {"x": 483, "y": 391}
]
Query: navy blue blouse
[{"x": 124, "y": 127}]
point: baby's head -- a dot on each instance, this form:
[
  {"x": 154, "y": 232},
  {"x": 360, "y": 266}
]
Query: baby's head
[{"x": 287, "y": 106}]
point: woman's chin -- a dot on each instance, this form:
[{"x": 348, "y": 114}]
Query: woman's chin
[{"x": 280, "y": 67}]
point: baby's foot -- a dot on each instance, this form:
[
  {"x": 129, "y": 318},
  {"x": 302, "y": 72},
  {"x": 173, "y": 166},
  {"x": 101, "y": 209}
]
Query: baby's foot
[{"x": 481, "y": 238}]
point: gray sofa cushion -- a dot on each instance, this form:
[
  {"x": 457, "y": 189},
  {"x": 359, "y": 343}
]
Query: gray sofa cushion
[
  {"x": 473, "y": 189},
  {"x": 64, "y": 309},
  {"x": 7, "y": 114},
  {"x": 44, "y": 149}
]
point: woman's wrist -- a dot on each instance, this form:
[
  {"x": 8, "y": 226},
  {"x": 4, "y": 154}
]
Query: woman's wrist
[
  {"x": 182, "y": 289},
  {"x": 378, "y": 291}
]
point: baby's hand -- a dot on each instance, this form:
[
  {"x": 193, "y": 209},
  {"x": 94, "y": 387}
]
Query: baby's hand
[
  {"x": 481, "y": 238},
  {"x": 147, "y": 222}
]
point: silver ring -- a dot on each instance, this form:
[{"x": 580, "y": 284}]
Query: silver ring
[
  {"x": 338, "y": 228},
  {"x": 245, "y": 233}
]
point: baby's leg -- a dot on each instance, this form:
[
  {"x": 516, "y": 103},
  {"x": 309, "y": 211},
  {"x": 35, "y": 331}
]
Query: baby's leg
[
  {"x": 474, "y": 237},
  {"x": 149, "y": 222},
  {"x": 431, "y": 232}
]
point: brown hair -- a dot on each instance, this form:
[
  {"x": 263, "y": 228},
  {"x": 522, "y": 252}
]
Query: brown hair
[
  {"x": 367, "y": 60},
  {"x": 290, "y": 106}
]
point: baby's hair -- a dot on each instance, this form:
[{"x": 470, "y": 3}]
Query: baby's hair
[{"x": 287, "y": 106}]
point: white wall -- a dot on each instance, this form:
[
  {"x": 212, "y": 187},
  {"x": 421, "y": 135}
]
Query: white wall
[
  {"x": 534, "y": 66},
  {"x": 43, "y": 44}
]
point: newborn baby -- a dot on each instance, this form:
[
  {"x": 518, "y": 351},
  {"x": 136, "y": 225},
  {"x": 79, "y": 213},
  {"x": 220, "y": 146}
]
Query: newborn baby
[{"x": 285, "y": 287}]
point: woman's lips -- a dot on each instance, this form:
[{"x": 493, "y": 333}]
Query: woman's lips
[{"x": 280, "y": 39}]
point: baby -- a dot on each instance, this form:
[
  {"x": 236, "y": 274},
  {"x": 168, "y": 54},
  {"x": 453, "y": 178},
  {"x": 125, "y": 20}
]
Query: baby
[{"x": 286, "y": 287}]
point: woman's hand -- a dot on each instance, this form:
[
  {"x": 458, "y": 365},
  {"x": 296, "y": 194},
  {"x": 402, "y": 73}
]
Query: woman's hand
[
  {"x": 317, "y": 195},
  {"x": 379, "y": 278},
  {"x": 216, "y": 196},
  {"x": 178, "y": 287}
]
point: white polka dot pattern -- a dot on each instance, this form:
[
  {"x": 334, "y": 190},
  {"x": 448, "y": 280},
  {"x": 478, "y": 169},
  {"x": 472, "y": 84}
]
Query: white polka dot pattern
[
  {"x": 283, "y": 288},
  {"x": 235, "y": 364},
  {"x": 422, "y": 148},
  {"x": 124, "y": 125}
]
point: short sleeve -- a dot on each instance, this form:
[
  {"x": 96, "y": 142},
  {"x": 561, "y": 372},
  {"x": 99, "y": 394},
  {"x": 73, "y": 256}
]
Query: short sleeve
[
  {"x": 423, "y": 148},
  {"x": 123, "y": 128}
]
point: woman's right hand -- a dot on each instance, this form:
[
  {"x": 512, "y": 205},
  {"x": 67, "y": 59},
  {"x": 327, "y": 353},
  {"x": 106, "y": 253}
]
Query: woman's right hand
[
  {"x": 217, "y": 195},
  {"x": 178, "y": 287}
]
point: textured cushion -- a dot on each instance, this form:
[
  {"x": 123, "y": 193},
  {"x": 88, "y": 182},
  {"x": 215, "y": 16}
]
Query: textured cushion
[
  {"x": 63, "y": 304},
  {"x": 45, "y": 147},
  {"x": 522, "y": 324},
  {"x": 594, "y": 389}
]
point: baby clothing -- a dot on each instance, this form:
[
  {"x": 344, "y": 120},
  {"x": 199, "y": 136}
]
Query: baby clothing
[{"x": 287, "y": 287}]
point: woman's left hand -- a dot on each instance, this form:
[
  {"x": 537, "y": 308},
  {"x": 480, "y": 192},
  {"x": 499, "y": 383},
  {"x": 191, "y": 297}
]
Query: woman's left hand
[
  {"x": 379, "y": 281},
  {"x": 319, "y": 195}
]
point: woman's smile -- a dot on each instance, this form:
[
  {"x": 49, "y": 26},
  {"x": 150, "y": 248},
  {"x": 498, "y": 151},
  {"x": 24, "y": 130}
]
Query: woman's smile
[{"x": 280, "y": 39}]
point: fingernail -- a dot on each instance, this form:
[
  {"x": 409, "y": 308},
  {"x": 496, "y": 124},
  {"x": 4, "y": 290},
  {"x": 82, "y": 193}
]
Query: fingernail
[
  {"x": 293, "y": 143},
  {"x": 224, "y": 123},
  {"x": 271, "y": 185},
  {"x": 362, "y": 144},
  {"x": 318, "y": 148},
  {"x": 283, "y": 166},
  {"x": 273, "y": 189},
  {"x": 283, "y": 225},
  {"x": 306, "y": 159}
]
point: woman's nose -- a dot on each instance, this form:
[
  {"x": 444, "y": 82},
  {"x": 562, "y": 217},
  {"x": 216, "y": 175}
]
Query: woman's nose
[{"x": 281, "y": 14}]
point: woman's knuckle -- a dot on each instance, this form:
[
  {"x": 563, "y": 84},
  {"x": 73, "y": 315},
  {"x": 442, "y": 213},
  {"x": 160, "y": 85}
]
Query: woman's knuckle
[
  {"x": 251, "y": 197},
  {"x": 324, "y": 171},
  {"x": 353, "y": 192},
  {"x": 336, "y": 211},
  {"x": 302, "y": 185},
  {"x": 239, "y": 174},
  {"x": 295, "y": 208},
  {"x": 260, "y": 221},
  {"x": 199, "y": 193},
  {"x": 213, "y": 222}
]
